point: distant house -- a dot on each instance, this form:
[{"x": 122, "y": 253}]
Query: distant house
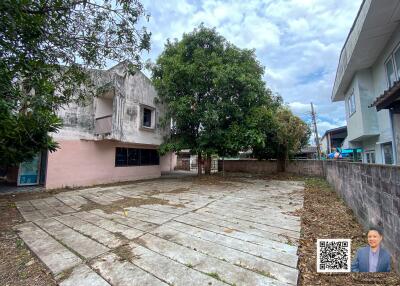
[
  {"x": 333, "y": 139},
  {"x": 308, "y": 152},
  {"x": 368, "y": 69},
  {"x": 112, "y": 138}
]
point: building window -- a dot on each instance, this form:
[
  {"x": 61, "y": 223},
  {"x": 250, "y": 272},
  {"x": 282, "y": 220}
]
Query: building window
[
  {"x": 397, "y": 61},
  {"x": 387, "y": 153},
  {"x": 146, "y": 117},
  {"x": 351, "y": 104},
  {"x": 370, "y": 157},
  {"x": 125, "y": 157},
  {"x": 390, "y": 73},
  {"x": 121, "y": 158}
]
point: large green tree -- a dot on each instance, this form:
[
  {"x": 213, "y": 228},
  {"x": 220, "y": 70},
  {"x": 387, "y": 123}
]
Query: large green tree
[
  {"x": 211, "y": 88},
  {"x": 284, "y": 134},
  {"x": 46, "y": 47}
]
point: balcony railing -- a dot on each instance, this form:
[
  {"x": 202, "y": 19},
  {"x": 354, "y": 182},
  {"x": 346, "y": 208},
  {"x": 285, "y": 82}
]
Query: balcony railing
[{"x": 103, "y": 125}]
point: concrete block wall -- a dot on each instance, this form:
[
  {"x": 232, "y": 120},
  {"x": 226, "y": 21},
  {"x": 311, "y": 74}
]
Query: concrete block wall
[
  {"x": 305, "y": 167},
  {"x": 248, "y": 166},
  {"x": 371, "y": 191}
]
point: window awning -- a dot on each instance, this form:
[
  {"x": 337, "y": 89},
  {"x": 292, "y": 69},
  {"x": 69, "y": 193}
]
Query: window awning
[{"x": 389, "y": 99}]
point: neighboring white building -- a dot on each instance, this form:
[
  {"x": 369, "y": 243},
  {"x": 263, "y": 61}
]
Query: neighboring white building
[
  {"x": 111, "y": 138},
  {"x": 370, "y": 64}
]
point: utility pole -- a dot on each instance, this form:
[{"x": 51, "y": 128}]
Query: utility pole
[{"x": 315, "y": 131}]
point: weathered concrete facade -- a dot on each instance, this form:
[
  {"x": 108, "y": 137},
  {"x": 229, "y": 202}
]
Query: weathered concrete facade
[
  {"x": 123, "y": 99},
  {"x": 371, "y": 191},
  {"x": 93, "y": 130}
]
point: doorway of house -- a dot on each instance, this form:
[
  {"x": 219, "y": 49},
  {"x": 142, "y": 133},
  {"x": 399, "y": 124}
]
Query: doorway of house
[{"x": 32, "y": 172}]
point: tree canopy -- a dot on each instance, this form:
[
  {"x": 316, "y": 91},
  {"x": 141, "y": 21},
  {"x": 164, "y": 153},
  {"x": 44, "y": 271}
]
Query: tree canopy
[
  {"x": 211, "y": 89},
  {"x": 284, "y": 133},
  {"x": 218, "y": 101},
  {"x": 45, "y": 50}
]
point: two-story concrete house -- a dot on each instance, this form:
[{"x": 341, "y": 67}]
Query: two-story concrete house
[
  {"x": 369, "y": 65},
  {"x": 111, "y": 138}
]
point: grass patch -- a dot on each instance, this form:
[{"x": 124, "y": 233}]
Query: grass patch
[
  {"x": 19, "y": 243},
  {"x": 64, "y": 275},
  {"x": 124, "y": 252},
  {"x": 214, "y": 275}
]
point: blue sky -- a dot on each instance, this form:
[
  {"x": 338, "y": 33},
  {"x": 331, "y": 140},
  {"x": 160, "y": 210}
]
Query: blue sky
[{"x": 297, "y": 41}]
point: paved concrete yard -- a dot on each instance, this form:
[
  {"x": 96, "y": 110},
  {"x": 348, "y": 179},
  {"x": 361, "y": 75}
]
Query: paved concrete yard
[{"x": 238, "y": 231}]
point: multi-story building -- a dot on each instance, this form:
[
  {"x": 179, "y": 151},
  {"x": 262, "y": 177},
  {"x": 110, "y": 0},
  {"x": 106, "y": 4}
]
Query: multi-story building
[
  {"x": 110, "y": 138},
  {"x": 369, "y": 65}
]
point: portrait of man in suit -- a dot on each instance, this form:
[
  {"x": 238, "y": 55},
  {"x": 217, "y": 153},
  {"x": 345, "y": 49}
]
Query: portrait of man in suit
[{"x": 372, "y": 258}]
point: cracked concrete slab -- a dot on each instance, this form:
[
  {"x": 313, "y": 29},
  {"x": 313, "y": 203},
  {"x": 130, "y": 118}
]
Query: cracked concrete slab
[
  {"x": 83, "y": 275},
  {"x": 171, "y": 271},
  {"x": 123, "y": 273},
  {"x": 52, "y": 253},
  {"x": 74, "y": 240},
  {"x": 232, "y": 232}
]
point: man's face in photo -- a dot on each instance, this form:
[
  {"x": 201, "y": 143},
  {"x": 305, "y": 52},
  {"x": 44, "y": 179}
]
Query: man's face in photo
[{"x": 374, "y": 238}]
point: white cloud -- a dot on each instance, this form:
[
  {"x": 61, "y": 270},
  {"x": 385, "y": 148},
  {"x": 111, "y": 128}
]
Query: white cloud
[
  {"x": 298, "y": 42},
  {"x": 300, "y": 109}
]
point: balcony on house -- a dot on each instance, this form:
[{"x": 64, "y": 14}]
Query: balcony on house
[
  {"x": 103, "y": 125},
  {"x": 103, "y": 114}
]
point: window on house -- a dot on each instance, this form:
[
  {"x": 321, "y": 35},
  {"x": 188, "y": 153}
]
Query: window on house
[
  {"x": 146, "y": 117},
  {"x": 133, "y": 157},
  {"x": 121, "y": 158},
  {"x": 397, "y": 61},
  {"x": 136, "y": 157},
  {"x": 390, "y": 73},
  {"x": 388, "y": 153},
  {"x": 351, "y": 104}
]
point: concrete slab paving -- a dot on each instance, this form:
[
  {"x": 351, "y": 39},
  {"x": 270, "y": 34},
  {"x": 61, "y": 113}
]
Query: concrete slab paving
[
  {"x": 224, "y": 271},
  {"x": 52, "y": 253},
  {"x": 256, "y": 250},
  {"x": 170, "y": 271},
  {"x": 236, "y": 257},
  {"x": 251, "y": 224},
  {"x": 77, "y": 242},
  {"x": 83, "y": 275},
  {"x": 123, "y": 273},
  {"x": 236, "y": 232},
  {"x": 125, "y": 220},
  {"x": 128, "y": 232},
  {"x": 92, "y": 231}
]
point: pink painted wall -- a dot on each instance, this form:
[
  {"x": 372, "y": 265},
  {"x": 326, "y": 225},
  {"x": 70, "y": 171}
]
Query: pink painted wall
[
  {"x": 168, "y": 162},
  {"x": 86, "y": 163}
]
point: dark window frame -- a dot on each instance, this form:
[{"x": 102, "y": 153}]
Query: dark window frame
[
  {"x": 131, "y": 157},
  {"x": 148, "y": 118},
  {"x": 147, "y": 114}
]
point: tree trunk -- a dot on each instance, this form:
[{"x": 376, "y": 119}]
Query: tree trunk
[
  {"x": 281, "y": 162},
  {"x": 281, "y": 165},
  {"x": 223, "y": 167},
  {"x": 207, "y": 168},
  {"x": 199, "y": 165}
]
